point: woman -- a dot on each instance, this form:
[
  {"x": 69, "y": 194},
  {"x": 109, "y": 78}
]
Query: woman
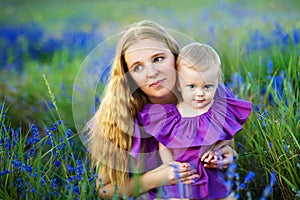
[{"x": 143, "y": 72}]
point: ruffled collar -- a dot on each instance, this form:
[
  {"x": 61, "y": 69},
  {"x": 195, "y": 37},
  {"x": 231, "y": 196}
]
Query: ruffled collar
[{"x": 221, "y": 122}]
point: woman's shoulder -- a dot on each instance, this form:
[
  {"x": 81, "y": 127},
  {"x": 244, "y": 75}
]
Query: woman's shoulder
[
  {"x": 157, "y": 111},
  {"x": 158, "y": 107}
]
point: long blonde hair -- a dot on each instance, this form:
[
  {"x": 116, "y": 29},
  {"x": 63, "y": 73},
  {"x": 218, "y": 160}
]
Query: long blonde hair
[{"x": 111, "y": 128}]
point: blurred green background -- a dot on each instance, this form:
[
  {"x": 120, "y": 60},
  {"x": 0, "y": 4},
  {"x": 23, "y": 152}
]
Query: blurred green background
[
  {"x": 56, "y": 16},
  {"x": 258, "y": 42}
]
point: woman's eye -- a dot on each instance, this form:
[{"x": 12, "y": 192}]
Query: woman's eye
[
  {"x": 158, "y": 59},
  {"x": 138, "y": 68}
]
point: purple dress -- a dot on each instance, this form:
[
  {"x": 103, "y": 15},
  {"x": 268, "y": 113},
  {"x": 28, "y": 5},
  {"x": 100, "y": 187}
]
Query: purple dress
[{"x": 189, "y": 137}]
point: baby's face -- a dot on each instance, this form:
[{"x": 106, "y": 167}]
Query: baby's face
[{"x": 198, "y": 88}]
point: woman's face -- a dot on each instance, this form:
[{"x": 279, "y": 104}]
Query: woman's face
[{"x": 151, "y": 65}]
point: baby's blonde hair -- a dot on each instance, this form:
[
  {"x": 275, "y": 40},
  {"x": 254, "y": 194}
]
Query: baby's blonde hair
[
  {"x": 111, "y": 128},
  {"x": 199, "y": 57}
]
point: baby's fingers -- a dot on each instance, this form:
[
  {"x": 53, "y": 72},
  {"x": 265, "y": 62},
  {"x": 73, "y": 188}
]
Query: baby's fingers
[
  {"x": 209, "y": 158},
  {"x": 205, "y": 155}
]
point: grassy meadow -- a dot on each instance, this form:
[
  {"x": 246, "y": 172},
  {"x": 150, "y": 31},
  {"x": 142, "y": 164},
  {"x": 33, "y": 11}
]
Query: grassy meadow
[{"x": 45, "y": 50}]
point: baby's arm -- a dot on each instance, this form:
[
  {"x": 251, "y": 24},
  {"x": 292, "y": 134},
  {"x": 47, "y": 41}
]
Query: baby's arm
[{"x": 165, "y": 154}]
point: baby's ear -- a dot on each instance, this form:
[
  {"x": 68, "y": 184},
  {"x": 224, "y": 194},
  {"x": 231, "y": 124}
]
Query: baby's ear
[
  {"x": 178, "y": 87},
  {"x": 177, "y": 80}
]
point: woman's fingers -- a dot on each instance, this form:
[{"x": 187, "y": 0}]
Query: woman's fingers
[
  {"x": 190, "y": 179},
  {"x": 180, "y": 167},
  {"x": 182, "y": 172}
]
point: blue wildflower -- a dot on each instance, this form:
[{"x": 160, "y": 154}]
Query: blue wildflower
[
  {"x": 242, "y": 186},
  {"x": 28, "y": 169},
  {"x": 53, "y": 127},
  {"x": 17, "y": 163},
  {"x": 35, "y": 174},
  {"x": 270, "y": 67},
  {"x": 31, "y": 152},
  {"x": 79, "y": 169},
  {"x": 269, "y": 188},
  {"x": 4, "y": 172},
  {"x": 280, "y": 34},
  {"x": 57, "y": 163},
  {"x": 69, "y": 133},
  {"x": 237, "y": 176},
  {"x": 270, "y": 144},
  {"x": 267, "y": 192},
  {"x": 70, "y": 168},
  {"x": 76, "y": 189},
  {"x": 237, "y": 196},
  {"x": 258, "y": 41},
  {"x": 286, "y": 148},
  {"x": 229, "y": 185},
  {"x": 241, "y": 147},
  {"x": 33, "y": 189},
  {"x": 249, "y": 177},
  {"x": 296, "y": 35},
  {"x": 53, "y": 183},
  {"x": 50, "y": 139},
  {"x": 273, "y": 179},
  {"x": 42, "y": 181},
  {"x": 7, "y": 144}
]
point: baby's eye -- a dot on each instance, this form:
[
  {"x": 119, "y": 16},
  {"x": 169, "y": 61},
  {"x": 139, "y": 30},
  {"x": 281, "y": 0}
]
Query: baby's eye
[
  {"x": 208, "y": 86},
  {"x": 138, "y": 68},
  {"x": 158, "y": 59},
  {"x": 191, "y": 86}
]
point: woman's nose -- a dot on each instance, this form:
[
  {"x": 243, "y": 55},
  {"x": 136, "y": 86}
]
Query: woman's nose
[{"x": 152, "y": 70}]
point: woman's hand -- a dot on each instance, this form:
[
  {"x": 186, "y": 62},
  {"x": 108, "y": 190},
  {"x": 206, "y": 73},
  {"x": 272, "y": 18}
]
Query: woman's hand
[
  {"x": 225, "y": 155},
  {"x": 166, "y": 174},
  {"x": 175, "y": 172}
]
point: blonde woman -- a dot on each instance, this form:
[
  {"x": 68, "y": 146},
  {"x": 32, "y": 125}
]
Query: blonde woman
[{"x": 125, "y": 156}]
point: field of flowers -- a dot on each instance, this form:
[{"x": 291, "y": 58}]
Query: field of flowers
[{"x": 43, "y": 46}]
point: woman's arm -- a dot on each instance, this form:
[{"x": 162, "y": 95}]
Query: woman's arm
[{"x": 162, "y": 175}]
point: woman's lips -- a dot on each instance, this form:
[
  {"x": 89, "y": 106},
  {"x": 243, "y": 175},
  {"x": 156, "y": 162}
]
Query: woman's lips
[{"x": 157, "y": 84}]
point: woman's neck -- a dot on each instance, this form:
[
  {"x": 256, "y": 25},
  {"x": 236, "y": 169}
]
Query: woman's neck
[{"x": 170, "y": 99}]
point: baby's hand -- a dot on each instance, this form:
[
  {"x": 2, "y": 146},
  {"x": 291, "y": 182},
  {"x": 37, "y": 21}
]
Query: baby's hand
[{"x": 209, "y": 157}]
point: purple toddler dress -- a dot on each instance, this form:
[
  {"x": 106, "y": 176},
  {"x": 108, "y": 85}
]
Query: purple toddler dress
[{"x": 189, "y": 138}]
